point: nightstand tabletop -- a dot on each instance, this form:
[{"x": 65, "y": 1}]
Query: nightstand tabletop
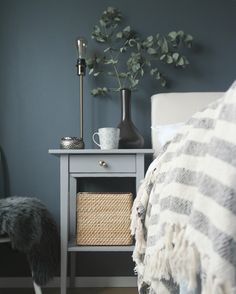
[{"x": 99, "y": 151}]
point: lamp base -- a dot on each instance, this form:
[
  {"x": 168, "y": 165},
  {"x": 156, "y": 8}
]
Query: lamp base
[{"x": 72, "y": 143}]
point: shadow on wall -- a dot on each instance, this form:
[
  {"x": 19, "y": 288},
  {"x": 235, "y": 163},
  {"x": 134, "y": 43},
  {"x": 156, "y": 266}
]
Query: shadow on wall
[{"x": 4, "y": 176}]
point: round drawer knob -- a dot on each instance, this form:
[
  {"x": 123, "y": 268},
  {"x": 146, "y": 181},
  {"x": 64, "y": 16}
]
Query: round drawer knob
[{"x": 102, "y": 163}]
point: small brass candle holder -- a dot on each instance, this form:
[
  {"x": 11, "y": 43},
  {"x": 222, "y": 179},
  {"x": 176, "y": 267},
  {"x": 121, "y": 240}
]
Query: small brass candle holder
[{"x": 71, "y": 143}]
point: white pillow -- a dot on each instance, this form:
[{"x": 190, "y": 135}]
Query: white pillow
[{"x": 162, "y": 134}]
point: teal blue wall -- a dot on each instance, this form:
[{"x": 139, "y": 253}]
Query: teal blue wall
[{"x": 39, "y": 86}]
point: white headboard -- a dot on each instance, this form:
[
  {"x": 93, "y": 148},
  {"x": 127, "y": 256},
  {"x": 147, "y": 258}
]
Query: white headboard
[{"x": 171, "y": 108}]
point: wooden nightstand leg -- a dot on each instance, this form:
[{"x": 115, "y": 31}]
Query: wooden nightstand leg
[
  {"x": 64, "y": 193},
  {"x": 139, "y": 169},
  {"x": 73, "y": 192},
  {"x": 72, "y": 269}
]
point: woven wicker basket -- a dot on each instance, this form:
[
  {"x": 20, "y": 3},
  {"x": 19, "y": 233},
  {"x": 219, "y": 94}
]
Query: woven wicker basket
[{"x": 103, "y": 218}]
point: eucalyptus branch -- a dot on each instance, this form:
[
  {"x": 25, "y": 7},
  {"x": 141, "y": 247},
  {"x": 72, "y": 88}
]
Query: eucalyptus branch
[
  {"x": 125, "y": 81},
  {"x": 117, "y": 75},
  {"x": 112, "y": 57},
  {"x": 145, "y": 53},
  {"x": 116, "y": 71}
]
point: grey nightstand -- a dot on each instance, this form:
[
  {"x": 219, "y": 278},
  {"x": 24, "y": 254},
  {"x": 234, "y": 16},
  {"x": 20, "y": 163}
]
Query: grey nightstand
[{"x": 94, "y": 163}]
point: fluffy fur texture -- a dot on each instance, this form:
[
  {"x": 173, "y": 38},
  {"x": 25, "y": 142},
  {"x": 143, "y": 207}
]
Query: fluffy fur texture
[{"x": 32, "y": 231}]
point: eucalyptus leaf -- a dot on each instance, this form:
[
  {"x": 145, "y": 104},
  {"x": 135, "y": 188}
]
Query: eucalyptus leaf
[
  {"x": 119, "y": 35},
  {"x": 136, "y": 67},
  {"x": 96, "y": 74},
  {"x": 102, "y": 23},
  {"x": 107, "y": 49},
  {"x": 150, "y": 38},
  {"x": 131, "y": 42},
  {"x": 96, "y": 29},
  {"x": 151, "y": 51},
  {"x": 123, "y": 75},
  {"x": 186, "y": 61},
  {"x": 158, "y": 75},
  {"x": 162, "y": 57},
  {"x": 181, "y": 61},
  {"x": 175, "y": 56},
  {"x": 164, "y": 46},
  {"x": 153, "y": 71},
  {"x": 91, "y": 71},
  {"x": 99, "y": 39},
  {"x": 188, "y": 38},
  {"x": 90, "y": 62},
  {"x": 99, "y": 91},
  {"x": 111, "y": 61},
  {"x": 172, "y": 35},
  {"x": 134, "y": 82},
  {"x": 123, "y": 49},
  {"x": 181, "y": 34},
  {"x": 127, "y": 29},
  {"x": 110, "y": 9},
  {"x": 169, "y": 59},
  {"x": 94, "y": 92},
  {"x": 111, "y": 73},
  {"x": 163, "y": 82}
]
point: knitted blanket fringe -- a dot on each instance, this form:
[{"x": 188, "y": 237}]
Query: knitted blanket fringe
[{"x": 179, "y": 262}]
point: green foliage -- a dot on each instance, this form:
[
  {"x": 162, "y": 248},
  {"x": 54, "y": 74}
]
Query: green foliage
[{"x": 127, "y": 57}]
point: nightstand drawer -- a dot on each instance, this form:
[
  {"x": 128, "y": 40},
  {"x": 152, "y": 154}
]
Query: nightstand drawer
[{"x": 102, "y": 163}]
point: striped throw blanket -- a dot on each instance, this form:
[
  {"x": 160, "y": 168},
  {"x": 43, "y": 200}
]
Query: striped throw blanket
[{"x": 184, "y": 216}]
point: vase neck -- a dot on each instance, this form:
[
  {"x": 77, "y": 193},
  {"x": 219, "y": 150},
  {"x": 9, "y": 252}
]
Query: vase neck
[{"x": 125, "y": 104}]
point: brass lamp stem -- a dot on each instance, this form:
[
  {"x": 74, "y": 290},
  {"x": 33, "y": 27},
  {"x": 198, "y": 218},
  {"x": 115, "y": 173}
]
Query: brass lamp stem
[{"x": 81, "y": 106}]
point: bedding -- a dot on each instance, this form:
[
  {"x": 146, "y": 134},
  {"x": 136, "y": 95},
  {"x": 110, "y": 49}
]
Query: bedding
[
  {"x": 163, "y": 134},
  {"x": 184, "y": 216}
]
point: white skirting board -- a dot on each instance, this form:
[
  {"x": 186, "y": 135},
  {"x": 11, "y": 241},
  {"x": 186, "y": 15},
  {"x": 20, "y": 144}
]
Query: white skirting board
[{"x": 80, "y": 282}]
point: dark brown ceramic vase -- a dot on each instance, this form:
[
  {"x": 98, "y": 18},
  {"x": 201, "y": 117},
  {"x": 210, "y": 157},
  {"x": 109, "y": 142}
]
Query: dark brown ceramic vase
[{"x": 130, "y": 138}]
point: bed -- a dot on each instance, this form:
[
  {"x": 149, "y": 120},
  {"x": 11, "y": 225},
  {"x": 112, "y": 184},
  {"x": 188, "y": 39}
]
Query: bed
[
  {"x": 184, "y": 214},
  {"x": 170, "y": 110}
]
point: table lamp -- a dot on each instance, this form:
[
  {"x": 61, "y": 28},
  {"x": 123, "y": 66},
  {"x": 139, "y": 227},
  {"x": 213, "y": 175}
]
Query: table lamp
[{"x": 81, "y": 45}]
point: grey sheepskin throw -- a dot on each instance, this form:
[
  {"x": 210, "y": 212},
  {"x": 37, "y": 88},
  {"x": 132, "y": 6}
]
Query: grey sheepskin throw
[{"x": 32, "y": 231}]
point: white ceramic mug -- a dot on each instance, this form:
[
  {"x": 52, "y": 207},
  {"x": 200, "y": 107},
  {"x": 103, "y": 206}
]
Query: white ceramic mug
[{"x": 108, "y": 138}]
